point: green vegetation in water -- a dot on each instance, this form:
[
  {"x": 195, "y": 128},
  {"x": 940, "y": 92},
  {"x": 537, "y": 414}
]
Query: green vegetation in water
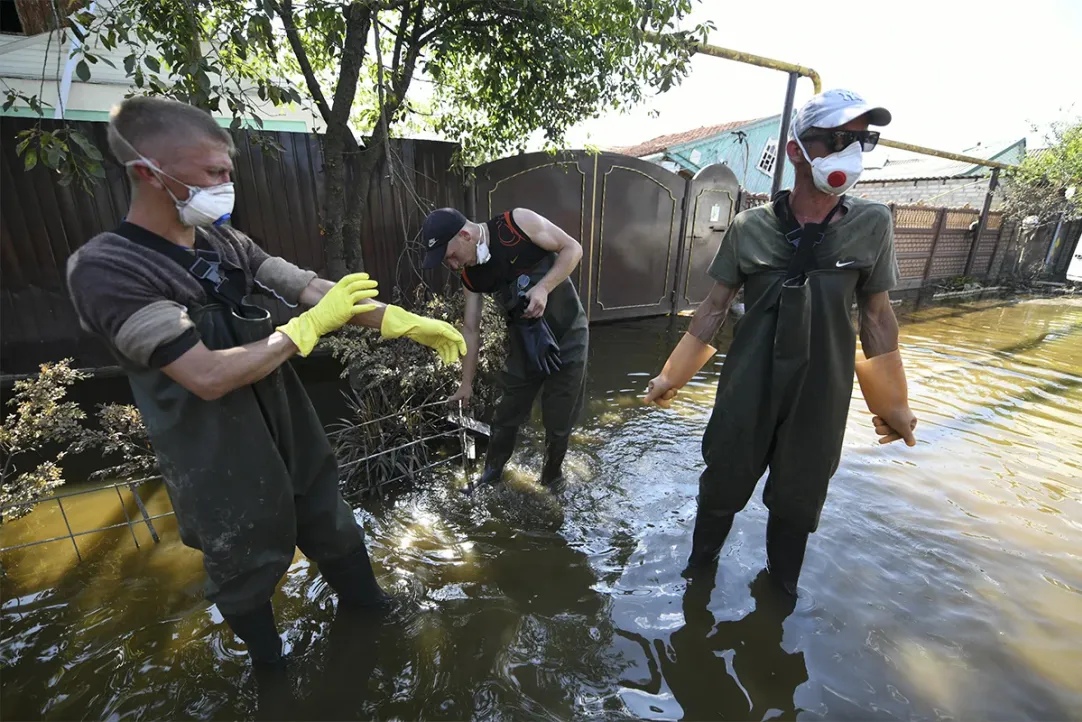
[{"x": 43, "y": 419}]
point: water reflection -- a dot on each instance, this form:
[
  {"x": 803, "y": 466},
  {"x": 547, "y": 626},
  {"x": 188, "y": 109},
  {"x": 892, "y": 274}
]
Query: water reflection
[
  {"x": 944, "y": 581},
  {"x": 728, "y": 670}
]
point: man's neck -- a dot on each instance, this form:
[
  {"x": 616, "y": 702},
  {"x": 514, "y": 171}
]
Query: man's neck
[
  {"x": 168, "y": 227},
  {"x": 811, "y": 205}
]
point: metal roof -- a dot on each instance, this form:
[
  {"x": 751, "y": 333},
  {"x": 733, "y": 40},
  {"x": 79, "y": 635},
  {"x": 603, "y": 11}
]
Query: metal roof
[
  {"x": 662, "y": 142},
  {"x": 902, "y": 165}
]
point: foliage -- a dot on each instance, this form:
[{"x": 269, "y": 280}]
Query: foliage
[
  {"x": 120, "y": 432},
  {"x": 498, "y": 71},
  {"x": 40, "y": 417},
  {"x": 1041, "y": 184},
  {"x": 398, "y": 389}
]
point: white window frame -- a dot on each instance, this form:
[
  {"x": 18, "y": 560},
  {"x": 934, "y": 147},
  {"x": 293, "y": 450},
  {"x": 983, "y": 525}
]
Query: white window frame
[{"x": 773, "y": 158}]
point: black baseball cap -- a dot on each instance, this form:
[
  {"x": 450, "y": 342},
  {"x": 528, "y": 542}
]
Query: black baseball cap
[{"x": 439, "y": 228}]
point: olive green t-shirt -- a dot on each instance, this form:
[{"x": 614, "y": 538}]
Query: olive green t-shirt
[{"x": 862, "y": 240}]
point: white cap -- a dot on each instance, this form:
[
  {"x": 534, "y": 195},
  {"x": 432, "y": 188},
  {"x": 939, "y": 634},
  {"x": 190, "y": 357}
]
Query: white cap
[{"x": 835, "y": 108}]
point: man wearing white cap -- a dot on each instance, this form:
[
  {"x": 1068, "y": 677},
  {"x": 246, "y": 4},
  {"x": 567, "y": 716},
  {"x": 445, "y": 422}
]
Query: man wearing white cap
[{"x": 784, "y": 392}]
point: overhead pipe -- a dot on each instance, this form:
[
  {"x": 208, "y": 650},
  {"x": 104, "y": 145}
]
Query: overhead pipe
[
  {"x": 817, "y": 83},
  {"x": 748, "y": 58}
]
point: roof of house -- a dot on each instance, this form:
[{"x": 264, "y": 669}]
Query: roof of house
[
  {"x": 903, "y": 165},
  {"x": 662, "y": 142}
]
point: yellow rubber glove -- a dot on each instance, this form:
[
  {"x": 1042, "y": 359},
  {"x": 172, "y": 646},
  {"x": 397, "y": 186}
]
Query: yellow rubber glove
[
  {"x": 882, "y": 382},
  {"x": 686, "y": 360},
  {"x": 333, "y": 311},
  {"x": 438, "y": 335}
]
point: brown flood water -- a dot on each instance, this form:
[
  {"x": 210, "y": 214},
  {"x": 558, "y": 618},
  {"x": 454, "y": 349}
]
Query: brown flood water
[{"x": 945, "y": 581}]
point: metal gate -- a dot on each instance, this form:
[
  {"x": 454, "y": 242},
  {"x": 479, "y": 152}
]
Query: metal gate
[{"x": 631, "y": 217}]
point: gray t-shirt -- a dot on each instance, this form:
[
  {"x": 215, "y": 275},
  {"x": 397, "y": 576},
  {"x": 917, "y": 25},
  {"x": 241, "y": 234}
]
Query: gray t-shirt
[
  {"x": 863, "y": 240},
  {"x": 137, "y": 300}
]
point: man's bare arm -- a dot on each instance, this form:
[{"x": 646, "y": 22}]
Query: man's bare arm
[
  {"x": 878, "y": 325},
  {"x": 471, "y": 331},
  {"x": 711, "y": 314},
  {"x": 211, "y": 375},
  {"x": 551, "y": 237}
]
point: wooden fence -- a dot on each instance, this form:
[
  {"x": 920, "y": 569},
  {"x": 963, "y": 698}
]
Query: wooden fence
[
  {"x": 933, "y": 244},
  {"x": 279, "y": 197}
]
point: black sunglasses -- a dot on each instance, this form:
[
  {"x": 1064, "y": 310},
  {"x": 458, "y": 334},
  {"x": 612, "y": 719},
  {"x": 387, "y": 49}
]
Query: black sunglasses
[{"x": 839, "y": 140}]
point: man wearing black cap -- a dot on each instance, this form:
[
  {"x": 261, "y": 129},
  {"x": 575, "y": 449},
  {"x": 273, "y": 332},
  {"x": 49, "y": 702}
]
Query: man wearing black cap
[{"x": 524, "y": 261}]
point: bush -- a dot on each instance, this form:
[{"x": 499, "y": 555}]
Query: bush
[
  {"x": 120, "y": 431},
  {"x": 397, "y": 393},
  {"x": 41, "y": 417}
]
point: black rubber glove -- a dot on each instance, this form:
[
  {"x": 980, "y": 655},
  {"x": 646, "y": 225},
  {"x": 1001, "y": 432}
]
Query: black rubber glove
[{"x": 542, "y": 351}]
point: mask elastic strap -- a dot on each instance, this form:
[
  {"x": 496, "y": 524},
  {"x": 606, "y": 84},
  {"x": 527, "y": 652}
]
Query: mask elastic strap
[{"x": 148, "y": 163}]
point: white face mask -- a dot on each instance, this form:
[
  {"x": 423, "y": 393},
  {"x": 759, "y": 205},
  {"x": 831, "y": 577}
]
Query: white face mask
[
  {"x": 209, "y": 206},
  {"x": 483, "y": 253},
  {"x": 837, "y": 172}
]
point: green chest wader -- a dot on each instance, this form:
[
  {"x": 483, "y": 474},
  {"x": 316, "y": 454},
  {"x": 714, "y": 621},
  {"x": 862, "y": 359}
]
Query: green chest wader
[
  {"x": 783, "y": 395},
  {"x": 561, "y": 392},
  {"x": 251, "y": 475}
]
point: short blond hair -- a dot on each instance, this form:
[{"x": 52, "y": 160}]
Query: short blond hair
[{"x": 153, "y": 125}]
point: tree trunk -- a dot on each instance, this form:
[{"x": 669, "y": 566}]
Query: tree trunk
[{"x": 334, "y": 178}]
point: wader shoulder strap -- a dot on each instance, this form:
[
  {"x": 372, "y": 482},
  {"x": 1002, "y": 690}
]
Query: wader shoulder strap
[
  {"x": 805, "y": 237},
  {"x": 205, "y": 264}
]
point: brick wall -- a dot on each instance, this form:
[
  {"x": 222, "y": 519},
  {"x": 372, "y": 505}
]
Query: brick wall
[{"x": 946, "y": 192}]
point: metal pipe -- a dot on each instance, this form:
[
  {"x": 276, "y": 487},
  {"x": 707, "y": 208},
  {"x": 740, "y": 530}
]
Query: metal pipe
[
  {"x": 764, "y": 62},
  {"x": 749, "y": 58},
  {"x": 945, "y": 154},
  {"x": 982, "y": 221},
  {"x": 783, "y": 136}
]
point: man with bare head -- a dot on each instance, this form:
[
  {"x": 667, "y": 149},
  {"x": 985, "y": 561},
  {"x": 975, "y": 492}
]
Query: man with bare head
[{"x": 248, "y": 467}]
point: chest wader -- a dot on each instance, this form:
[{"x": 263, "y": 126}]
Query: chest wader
[
  {"x": 251, "y": 477},
  {"x": 782, "y": 401},
  {"x": 561, "y": 391}
]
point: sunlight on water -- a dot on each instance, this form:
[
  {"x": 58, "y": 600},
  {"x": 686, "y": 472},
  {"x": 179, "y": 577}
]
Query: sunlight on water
[{"x": 945, "y": 580}]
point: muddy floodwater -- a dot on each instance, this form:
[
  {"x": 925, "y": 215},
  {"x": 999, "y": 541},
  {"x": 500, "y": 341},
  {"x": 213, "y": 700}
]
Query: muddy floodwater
[{"x": 945, "y": 581}]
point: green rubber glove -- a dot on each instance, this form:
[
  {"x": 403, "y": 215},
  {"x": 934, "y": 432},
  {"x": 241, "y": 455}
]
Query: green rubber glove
[
  {"x": 333, "y": 311},
  {"x": 438, "y": 335}
]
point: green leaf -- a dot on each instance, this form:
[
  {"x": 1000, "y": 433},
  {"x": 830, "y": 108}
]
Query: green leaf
[
  {"x": 10, "y": 102},
  {"x": 235, "y": 125},
  {"x": 21, "y": 147},
  {"x": 65, "y": 181},
  {"x": 108, "y": 62},
  {"x": 129, "y": 64},
  {"x": 152, "y": 63},
  {"x": 97, "y": 170},
  {"x": 30, "y": 159},
  {"x": 82, "y": 71}
]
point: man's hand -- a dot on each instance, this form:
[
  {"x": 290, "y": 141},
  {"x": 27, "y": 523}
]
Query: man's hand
[
  {"x": 464, "y": 394},
  {"x": 901, "y": 425},
  {"x": 660, "y": 391},
  {"x": 438, "y": 335},
  {"x": 336, "y": 308},
  {"x": 538, "y": 298}
]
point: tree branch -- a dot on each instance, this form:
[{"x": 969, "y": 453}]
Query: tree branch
[
  {"x": 285, "y": 12},
  {"x": 358, "y": 23}
]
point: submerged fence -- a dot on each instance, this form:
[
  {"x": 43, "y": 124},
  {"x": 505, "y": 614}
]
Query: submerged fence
[{"x": 458, "y": 427}]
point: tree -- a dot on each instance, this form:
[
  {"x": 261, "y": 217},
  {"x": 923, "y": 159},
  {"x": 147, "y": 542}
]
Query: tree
[
  {"x": 498, "y": 70},
  {"x": 1042, "y": 183}
]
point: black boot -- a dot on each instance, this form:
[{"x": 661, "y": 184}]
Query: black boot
[
  {"x": 552, "y": 474},
  {"x": 711, "y": 530},
  {"x": 501, "y": 444},
  {"x": 354, "y": 581},
  {"x": 785, "y": 547},
  {"x": 256, "y": 628}
]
